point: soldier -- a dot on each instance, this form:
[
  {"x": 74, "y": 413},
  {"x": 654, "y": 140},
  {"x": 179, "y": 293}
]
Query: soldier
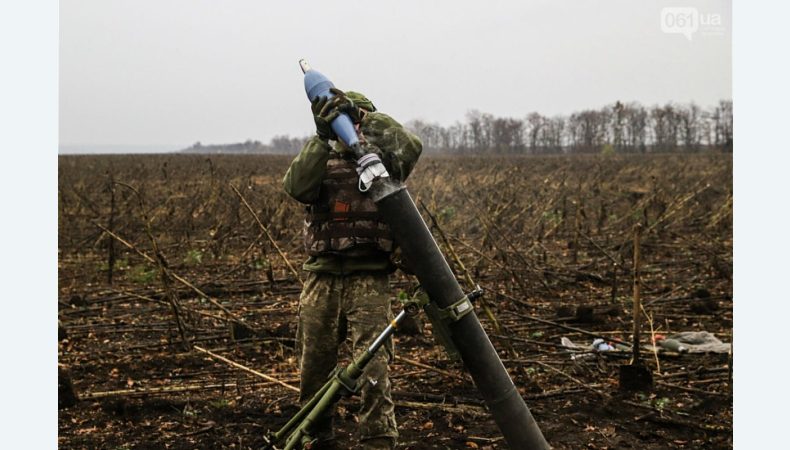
[{"x": 349, "y": 248}]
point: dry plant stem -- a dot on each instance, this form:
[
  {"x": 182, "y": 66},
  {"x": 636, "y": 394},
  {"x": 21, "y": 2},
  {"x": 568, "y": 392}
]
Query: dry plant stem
[
  {"x": 724, "y": 211},
  {"x": 652, "y": 339},
  {"x": 577, "y": 232},
  {"x": 489, "y": 225},
  {"x": 677, "y": 207},
  {"x": 480, "y": 254},
  {"x": 597, "y": 246},
  {"x": 472, "y": 285},
  {"x": 431, "y": 368},
  {"x": 615, "y": 264},
  {"x": 472, "y": 410},
  {"x": 111, "y": 226},
  {"x": 268, "y": 235},
  {"x": 175, "y": 306},
  {"x": 461, "y": 265},
  {"x": 176, "y": 277},
  {"x": 580, "y": 383},
  {"x": 164, "y": 272},
  {"x": 637, "y": 293},
  {"x": 247, "y": 369},
  {"x": 637, "y": 209},
  {"x": 565, "y": 327},
  {"x": 494, "y": 262},
  {"x": 615, "y": 267},
  {"x": 538, "y": 272},
  {"x": 691, "y": 389},
  {"x": 241, "y": 259},
  {"x": 659, "y": 416},
  {"x": 671, "y": 210},
  {"x": 167, "y": 390},
  {"x": 161, "y": 302}
]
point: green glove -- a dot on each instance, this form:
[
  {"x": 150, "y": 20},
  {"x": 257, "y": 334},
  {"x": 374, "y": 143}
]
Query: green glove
[
  {"x": 325, "y": 110},
  {"x": 324, "y": 113},
  {"x": 354, "y": 104},
  {"x": 346, "y": 104}
]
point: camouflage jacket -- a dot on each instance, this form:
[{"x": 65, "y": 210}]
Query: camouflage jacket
[{"x": 400, "y": 151}]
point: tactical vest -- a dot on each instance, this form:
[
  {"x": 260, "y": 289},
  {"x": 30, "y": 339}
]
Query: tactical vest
[{"x": 344, "y": 221}]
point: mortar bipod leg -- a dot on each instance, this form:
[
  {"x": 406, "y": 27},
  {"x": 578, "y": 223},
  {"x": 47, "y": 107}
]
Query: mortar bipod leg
[
  {"x": 296, "y": 432},
  {"x": 286, "y": 429}
]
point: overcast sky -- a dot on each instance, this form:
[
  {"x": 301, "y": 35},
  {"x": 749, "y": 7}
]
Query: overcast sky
[{"x": 158, "y": 74}]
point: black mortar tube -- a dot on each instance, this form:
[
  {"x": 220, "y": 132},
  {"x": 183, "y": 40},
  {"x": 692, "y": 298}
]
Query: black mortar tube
[{"x": 506, "y": 405}]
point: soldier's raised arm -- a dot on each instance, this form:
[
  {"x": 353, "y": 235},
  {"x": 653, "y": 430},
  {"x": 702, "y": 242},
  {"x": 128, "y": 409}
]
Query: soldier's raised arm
[
  {"x": 307, "y": 170},
  {"x": 303, "y": 179}
]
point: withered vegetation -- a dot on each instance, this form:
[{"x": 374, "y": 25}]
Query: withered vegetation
[{"x": 159, "y": 254}]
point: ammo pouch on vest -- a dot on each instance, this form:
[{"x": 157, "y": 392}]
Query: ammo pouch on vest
[{"x": 344, "y": 220}]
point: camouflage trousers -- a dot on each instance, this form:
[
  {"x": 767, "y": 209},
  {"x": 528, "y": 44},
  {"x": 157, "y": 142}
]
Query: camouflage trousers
[{"x": 330, "y": 308}]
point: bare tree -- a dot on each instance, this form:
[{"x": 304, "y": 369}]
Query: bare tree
[
  {"x": 723, "y": 125},
  {"x": 534, "y": 127},
  {"x": 689, "y": 118},
  {"x": 621, "y": 127},
  {"x": 636, "y": 127},
  {"x": 551, "y": 135}
]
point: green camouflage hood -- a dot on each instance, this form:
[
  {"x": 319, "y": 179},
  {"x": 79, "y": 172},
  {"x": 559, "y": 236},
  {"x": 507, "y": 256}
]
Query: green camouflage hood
[{"x": 361, "y": 101}]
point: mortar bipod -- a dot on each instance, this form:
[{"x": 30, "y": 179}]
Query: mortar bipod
[{"x": 296, "y": 433}]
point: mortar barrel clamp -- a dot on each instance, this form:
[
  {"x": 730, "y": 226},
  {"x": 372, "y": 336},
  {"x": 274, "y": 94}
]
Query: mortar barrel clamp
[{"x": 462, "y": 307}]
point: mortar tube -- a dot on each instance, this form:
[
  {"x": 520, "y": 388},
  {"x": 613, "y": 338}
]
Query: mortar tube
[{"x": 510, "y": 412}]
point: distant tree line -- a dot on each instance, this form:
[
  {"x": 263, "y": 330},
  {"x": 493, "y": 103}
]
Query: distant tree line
[
  {"x": 277, "y": 145},
  {"x": 616, "y": 128}
]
